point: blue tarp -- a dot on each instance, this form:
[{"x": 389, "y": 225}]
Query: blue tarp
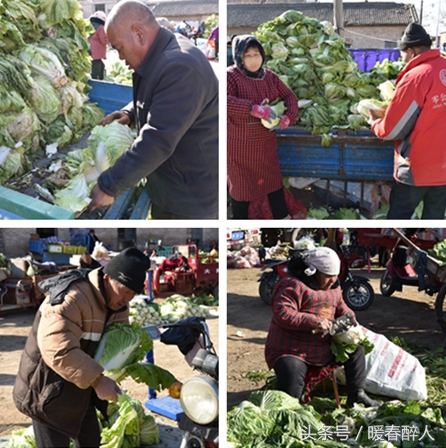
[{"x": 368, "y": 57}]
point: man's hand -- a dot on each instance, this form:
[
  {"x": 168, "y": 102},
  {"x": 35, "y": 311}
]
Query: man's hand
[
  {"x": 118, "y": 115},
  {"x": 324, "y": 327},
  {"x": 106, "y": 389},
  {"x": 99, "y": 198},
  {"x": 373, "y": 117}
]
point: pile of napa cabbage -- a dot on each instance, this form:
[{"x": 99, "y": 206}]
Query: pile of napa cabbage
[
  {"x": 74, "y": 177},
  {"x": 44, "y": 70},
  {"x": 313, "y": 61}
]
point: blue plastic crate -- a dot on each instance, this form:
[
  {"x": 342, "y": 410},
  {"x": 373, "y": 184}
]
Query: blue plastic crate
[
  {"x": 36, "y": 246},
  {"x": 166, "y": 406}
]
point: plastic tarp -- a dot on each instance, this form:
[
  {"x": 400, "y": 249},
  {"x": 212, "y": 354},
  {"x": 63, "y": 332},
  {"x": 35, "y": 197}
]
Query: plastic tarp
[{"x": 368, "y": 57}]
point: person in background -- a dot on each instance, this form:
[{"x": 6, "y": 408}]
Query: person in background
[
  {"x": 165, "y": 24},
  {"x": 213, "y": 37},
  {"x": 304, "y": 305},
  {"x": 415, "y": 120},
  {"x": 59, "y": 385},
  {"x": 93, "y": 240},
  {"x": 98, "y": 45},
  {"x": 88, "y": 262},
  {"x": 253, "y": 161},
  {"x": 175, "y": 112}
]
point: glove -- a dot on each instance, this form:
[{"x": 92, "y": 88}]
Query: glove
[
  {"x": 284, "y": 123},
  {"x": 262, "y": 112}
]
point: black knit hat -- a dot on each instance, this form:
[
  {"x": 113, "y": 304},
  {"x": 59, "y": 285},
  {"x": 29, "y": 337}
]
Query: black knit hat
[
  {"x": 414, "y": 36},
  {"x": 129, "y": 268}
]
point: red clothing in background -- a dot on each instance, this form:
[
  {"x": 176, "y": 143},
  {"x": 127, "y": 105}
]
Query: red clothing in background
[
  {"x": 416, "y": 119},
  {"x": 253, "y": 162},
  {"x": 98, "y": 42},
  {"x": 297, "y": 309}
]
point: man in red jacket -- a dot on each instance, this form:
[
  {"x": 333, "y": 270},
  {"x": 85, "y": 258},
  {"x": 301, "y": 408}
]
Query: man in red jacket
[
  {"x": 416, "y": 119},
  {"x": 98, "y": 45}
]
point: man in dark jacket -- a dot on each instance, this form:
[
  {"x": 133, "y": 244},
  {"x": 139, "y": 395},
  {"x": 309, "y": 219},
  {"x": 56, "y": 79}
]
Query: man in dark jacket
[
  {"x": 174, "y": 109},
  {"x": 59, "y": 383}
]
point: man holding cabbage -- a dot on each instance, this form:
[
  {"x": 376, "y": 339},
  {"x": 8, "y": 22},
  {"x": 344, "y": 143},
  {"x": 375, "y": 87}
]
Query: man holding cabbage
[
  {"x": 416, "y": 119},
  {"x": 59, "y": 384},
  {"x": 174, "y": 109}
]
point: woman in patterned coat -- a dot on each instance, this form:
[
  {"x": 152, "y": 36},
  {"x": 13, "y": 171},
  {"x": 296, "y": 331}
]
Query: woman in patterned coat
[
  {"x": 305, "y": 303},
  {"x": 253, "y": 161}
]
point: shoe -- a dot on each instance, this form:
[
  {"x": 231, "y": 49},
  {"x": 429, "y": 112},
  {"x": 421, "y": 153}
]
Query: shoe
[{"x": 362, "y": 398}]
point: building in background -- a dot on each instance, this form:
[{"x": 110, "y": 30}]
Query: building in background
[{"x": 366, "y": 24}]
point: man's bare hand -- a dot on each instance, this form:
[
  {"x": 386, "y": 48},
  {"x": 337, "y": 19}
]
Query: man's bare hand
[
  {"x": 106, "y": 389},
  {"x": 99, "y": 198},
  {"x": 120, "y": 116}
]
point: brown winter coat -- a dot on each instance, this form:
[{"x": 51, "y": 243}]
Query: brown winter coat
[{"x": 57, "y": 368}]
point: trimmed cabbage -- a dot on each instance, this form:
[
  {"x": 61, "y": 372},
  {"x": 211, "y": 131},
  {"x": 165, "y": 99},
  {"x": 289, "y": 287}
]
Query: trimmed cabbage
[{"x": 121, "y": 348}]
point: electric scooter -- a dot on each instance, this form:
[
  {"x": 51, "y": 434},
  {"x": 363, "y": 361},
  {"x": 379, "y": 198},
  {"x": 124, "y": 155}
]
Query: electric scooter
[
  {"x": 356, "y": 290},
  {"x": 199, "y": 394}
]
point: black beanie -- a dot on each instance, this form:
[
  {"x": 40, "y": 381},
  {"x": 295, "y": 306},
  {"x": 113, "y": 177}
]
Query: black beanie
[
  {"x": 414, "y": 36},
  {"x": 129, "y": 268}
]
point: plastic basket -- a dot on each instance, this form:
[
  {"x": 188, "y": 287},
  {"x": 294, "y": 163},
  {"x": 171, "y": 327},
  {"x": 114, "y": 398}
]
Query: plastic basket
[
  {"x": 55, "y": 248},
  {"x": 70, "y": 250},
  {"x": 81, "y": 250}
]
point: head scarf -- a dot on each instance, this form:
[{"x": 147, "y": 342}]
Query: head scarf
[
  {"x": 322, "y": 259},
  {"x": 239, "y": 45}
]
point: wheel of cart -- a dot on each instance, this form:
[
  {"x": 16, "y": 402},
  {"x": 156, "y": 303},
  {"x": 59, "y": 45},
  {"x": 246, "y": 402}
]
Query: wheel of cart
[{"x": 435, "y": 274}]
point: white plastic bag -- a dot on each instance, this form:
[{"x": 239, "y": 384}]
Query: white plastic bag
[{"x": 391, "y": 371}]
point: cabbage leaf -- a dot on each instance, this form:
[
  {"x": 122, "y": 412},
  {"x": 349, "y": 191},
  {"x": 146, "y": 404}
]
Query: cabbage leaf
[{"x": 121, "y": 348}]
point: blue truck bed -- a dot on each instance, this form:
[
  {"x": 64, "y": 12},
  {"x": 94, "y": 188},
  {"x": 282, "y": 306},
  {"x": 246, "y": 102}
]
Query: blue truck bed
[{"x": 352, "y": 156}]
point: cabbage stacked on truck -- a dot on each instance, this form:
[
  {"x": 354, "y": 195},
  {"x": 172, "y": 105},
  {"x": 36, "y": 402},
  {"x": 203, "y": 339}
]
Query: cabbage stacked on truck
[
  {"x": 313, "y": 61},
  {"x": 44, "y": 70}
]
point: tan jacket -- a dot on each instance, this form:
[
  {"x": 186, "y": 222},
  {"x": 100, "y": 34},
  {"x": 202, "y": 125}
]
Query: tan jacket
[{"x": 57, "y": 366}]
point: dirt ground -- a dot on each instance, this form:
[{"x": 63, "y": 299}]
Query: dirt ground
[
  {"x": 409, "y": 314},
  {"x": 14, "y": 329}
]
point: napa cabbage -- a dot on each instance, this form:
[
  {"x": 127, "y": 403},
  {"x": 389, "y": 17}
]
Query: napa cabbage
[
  {"x": 121, "y": 348},
  {"x": 128, "y": 425},
  {"x": 279, "y": 108},
  {"x": 343, "y": 344}
]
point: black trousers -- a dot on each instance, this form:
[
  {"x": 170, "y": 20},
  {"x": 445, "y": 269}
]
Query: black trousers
[
  {"x": 276, "y": 200},
  {"x": 97, "y": 69},
  {"x": 404, "y": 199},
  {"x": 89, "y": 437},
  {"x": 290, "y": 373}
]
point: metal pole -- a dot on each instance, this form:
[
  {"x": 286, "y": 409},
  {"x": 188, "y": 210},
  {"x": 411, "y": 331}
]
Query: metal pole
[
  {"x": 338, "y": 16},
  {"x": 421, "y": 13},
  {"x": 437, "y": 41}
]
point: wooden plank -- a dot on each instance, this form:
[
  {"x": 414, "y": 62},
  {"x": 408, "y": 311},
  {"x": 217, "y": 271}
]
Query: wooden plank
[
  {"x": 142, "y": 206},
  {"x": 30, "y": 208}
]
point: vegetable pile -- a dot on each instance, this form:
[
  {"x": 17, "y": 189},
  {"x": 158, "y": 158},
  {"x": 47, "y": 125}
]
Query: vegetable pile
[
  {"x": 439, "y": 252},
  {"x": 273, "y": 418},
  {"x": 312, "y": 60},
  {"x": 74, "y": 177},
  {"x": 120, "y": 351},
  {"x": 363, "y": 425},
  {"x": 44, "y": 67},
  {"x": 174, "y": 308},
  {"x": 128, "y": 425}
]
